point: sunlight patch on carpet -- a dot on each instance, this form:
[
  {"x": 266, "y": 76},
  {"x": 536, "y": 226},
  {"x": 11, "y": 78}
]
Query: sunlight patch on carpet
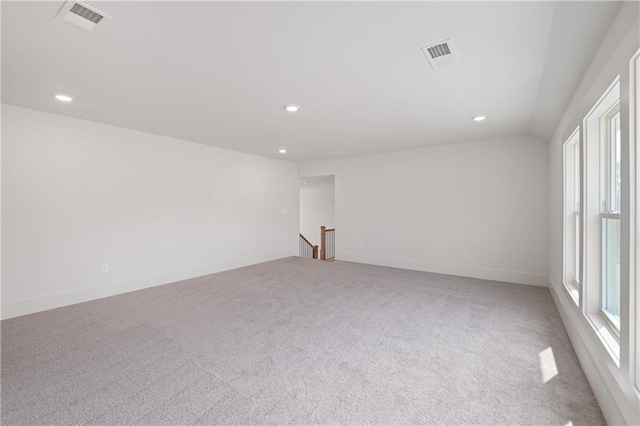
[{"x": 547, "y": 365}]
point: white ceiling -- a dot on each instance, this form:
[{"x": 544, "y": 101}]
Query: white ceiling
[{"x": 219, "y": 73}]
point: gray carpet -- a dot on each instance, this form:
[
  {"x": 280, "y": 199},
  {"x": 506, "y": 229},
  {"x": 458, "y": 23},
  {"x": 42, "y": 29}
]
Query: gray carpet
[{"x": 299, "y": 341}]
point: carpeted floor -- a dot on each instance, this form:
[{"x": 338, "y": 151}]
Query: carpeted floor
[{"x": 299, "y": 341}]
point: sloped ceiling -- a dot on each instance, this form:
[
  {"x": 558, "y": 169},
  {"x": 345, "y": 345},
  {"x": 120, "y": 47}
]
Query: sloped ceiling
[{"x": 220, "y": 73}]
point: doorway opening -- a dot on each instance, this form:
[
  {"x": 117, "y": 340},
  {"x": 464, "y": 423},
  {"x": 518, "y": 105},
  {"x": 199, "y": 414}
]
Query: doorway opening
[{"x": 317, "y": 217}]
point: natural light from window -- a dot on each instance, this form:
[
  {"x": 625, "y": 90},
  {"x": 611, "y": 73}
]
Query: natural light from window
[
  {"x": 601, "y": 219},
  {"x": 572, "y": 214},
  {"x": 548, "y": 366},
  {"x": 610, "y": 215},
  {"x": 636, "y": 126}
]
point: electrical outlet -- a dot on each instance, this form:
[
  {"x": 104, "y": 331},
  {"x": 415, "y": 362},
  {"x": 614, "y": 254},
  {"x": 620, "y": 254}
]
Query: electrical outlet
[
  {"x": 465, "y": 254},
  {"x": 104, "y": 268}
]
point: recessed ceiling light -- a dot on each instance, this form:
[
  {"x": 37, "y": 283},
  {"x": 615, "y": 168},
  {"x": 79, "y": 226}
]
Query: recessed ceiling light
[
  {"x": 282, "y": 151},
  {"x": 64, "y": 98},
  {"x": 479, "y": 118},
  {"x": 292, "y": 108}
]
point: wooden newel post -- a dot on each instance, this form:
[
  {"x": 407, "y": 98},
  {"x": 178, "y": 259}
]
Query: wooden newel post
[
  {"x": 315, "y": 252},
  {"x": 323, "y": 243}
]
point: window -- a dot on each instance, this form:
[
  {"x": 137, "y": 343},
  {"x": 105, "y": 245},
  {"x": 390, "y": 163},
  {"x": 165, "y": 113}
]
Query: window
[
  {"x": 635, "y": 242},
  {"x": 572, "y": 214},
  {"x": 610, "y": 216},
  {"x": 601, "y": 218}
]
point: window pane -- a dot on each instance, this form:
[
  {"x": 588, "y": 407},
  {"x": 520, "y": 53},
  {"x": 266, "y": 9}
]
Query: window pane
[
  {"x": 572, "y": 214},
  {"x": 576, "y": 247},
  {"x": 615, "y": 135},
  {"x": 576, "y": 201},
  {"x": 611, "y": 269}
]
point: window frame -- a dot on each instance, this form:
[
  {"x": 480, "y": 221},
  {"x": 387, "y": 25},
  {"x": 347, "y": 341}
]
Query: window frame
[
  {"x": 572, "y": 215},
  {"x": 592, "y": 210},
  {"x": 610, "y": 207},
  {"x": 634, "y": 264}
]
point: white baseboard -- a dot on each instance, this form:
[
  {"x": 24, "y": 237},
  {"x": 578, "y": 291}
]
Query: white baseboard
[
  {"x": 615, "y": 395},
  {"x": 448, "y": 269},
  {"x": 56, "y": 300}
]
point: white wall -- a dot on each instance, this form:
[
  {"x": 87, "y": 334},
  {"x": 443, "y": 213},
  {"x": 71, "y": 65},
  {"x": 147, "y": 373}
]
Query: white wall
[
  {"x": 317, "y": 207},
  {"x": 77, "y": 194},
  {"x": 611, "y": 384},
  {"x": 419, "y": 209}
]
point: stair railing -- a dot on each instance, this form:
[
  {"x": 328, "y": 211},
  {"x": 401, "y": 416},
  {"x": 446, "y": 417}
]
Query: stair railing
[
  {"x": 307, "y": 249},
  {"x": 327, "y": 243}
]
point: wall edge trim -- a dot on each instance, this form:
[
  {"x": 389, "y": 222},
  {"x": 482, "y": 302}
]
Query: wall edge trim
[
  {"x": 515, "y": 277},
  {"x": 49, "y": 301},
  {"x": 610, "y": 397}
]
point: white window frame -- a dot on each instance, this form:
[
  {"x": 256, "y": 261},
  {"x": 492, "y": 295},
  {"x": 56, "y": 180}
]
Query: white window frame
[
  {"x": 572, "y": 210},
  {"x": 592, "y": 222},
  {"x": 634, "y": 264},
  {"x": 608, "y": 211}
]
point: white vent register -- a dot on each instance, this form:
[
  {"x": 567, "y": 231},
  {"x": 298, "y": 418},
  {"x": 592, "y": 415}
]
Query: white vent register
[
  {"x": 80, "y": 15},
  {"x": 441, "y": 54}
]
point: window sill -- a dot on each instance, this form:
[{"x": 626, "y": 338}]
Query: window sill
[
  {"x": 607, "y": 337},
  {"x": 573, "y": 292}
]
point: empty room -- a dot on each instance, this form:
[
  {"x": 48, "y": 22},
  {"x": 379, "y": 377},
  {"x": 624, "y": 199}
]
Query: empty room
[{"x": 323, "y": 212}]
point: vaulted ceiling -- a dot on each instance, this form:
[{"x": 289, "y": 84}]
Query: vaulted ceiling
[{"x": 220, "y": 73}]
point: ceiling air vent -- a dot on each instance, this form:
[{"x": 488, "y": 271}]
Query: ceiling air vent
[
  {"x": 441, "y": 54},
  {"x": 80, "y": 15}
]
